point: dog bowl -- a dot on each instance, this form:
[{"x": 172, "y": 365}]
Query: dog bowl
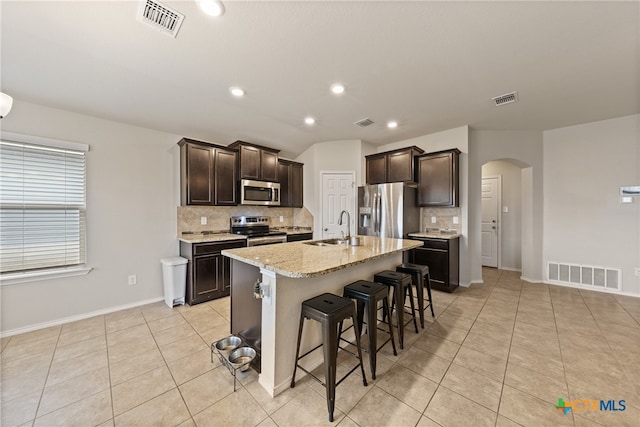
[
  {"x": 228, "y": 344},
  {"x": 241, "y": 357}
]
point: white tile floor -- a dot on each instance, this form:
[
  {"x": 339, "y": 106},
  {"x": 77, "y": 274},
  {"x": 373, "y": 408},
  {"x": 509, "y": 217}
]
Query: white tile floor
[{"x": 498, "y": 354}]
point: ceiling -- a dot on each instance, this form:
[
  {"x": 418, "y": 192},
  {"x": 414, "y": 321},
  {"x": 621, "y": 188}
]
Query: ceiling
[{"x": 429, "y": 65}]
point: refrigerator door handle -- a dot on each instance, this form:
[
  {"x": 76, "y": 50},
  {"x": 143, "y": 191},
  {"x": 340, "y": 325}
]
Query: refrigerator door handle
[
  {"x": 378, "y": 208},
  {"x": 373, "y": 213}
]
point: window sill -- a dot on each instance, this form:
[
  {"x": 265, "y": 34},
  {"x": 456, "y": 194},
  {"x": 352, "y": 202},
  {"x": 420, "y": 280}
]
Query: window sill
[{"x": 32, "y": 276}]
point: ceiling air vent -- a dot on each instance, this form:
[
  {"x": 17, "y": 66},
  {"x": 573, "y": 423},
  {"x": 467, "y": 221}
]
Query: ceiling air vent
[
  {"x": 507, "y": 98},
  {"x": 160, "y": 17},
  {"x": 364, "y": 123}
]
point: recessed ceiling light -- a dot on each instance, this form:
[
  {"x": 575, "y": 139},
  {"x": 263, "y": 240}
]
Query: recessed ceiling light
[
  {"x": 309, "y": 120},
  {"x": 337, "y": 88},
  {"x": 211, "y": 7},
  {"x": 392, "y": 124},
  {"x": 236, "y": 91}
]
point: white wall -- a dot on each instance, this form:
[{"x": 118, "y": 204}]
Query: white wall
[
  {"x": 584, "y": 221},
  {"x": 524, "y": 149},
  {"x": 509, "y": 222},
  {"x": 451, "y": 138},
  {"x": 342, "y": 156},
  {"x": 132, "y": 194}
]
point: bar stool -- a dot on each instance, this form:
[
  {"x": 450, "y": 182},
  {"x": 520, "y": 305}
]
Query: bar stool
[
  {"x": 367, "y": 294},
  {"x": 420, "y": 275},
  {"x": 401, "y": 284},
  {"x": 330, "y": 310}
]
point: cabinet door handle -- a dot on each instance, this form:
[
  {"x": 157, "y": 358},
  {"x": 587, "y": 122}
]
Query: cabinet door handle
[{"x": 326, "y": 229}]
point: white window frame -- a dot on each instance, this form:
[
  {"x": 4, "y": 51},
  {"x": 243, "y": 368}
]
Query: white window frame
[{"x": 45, "y": 273}]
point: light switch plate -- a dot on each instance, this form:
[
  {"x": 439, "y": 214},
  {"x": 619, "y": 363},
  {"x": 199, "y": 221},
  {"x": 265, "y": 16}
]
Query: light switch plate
[
  {"x": 505, "y": 209},
  {"x": 456, "y": 220},
  {"x": 433, "y": 220},
  {"x": 203, "y": 220}
]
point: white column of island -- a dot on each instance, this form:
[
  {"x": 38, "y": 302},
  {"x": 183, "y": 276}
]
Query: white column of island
[{"x": 291, "y": 273}]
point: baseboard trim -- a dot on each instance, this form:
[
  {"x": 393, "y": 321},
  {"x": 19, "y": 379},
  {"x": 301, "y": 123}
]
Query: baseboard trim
[
  {"x": 530, "y": 280},
  {"x": 70, "y": 319}
]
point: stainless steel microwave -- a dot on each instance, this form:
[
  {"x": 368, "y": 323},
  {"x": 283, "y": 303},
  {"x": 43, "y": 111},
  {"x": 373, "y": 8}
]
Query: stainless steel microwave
[{"x": 259, "y": 193}]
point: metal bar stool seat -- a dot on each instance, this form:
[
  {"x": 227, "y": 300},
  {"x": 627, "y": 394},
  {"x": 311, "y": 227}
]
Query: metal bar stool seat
[
  {"x": 330, "y": 310},
  {"x": 367, "y": 295},
  {"x": 420, "y": 275},
  {"x": 401, "y": 284}
]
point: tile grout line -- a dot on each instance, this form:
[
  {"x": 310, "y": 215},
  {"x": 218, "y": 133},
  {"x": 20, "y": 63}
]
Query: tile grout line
[
  {"x": 460, "y": 346},
  {"x": 504, "y": 378},
  {"x": 44, "y": 386}
]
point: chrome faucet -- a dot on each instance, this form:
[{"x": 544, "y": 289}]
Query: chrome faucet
[{"x": 348, "y": 222}]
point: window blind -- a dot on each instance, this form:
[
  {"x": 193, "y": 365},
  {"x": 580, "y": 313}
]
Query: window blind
[{"x": 42, "y": 207}]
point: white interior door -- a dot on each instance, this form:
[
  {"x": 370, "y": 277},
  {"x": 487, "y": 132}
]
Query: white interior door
[
  {"x": 490, "y": 211},
  {"x": 338, "y": 194}
]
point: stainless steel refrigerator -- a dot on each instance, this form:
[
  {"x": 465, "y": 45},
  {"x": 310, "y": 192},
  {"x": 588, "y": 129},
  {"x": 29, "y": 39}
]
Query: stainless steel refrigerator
[{"x": 388, "y": 210}]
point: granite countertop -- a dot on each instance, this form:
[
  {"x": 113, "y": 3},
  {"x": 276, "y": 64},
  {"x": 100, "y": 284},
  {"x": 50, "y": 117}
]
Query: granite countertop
[
  {"x": 293, "y": 230},
  {"x": 210, "y": 237},
  {"x": 436, "y": 235},
  {"x": 224, "y": 235},
  {"x": 301, "y": 260}
]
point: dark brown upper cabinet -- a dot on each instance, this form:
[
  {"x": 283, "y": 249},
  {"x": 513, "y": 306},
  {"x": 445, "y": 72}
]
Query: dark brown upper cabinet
[
  {"x": 290, "y": 178},
  {"x": 208, "y": 174},
  {"x": 257, "y": 162},
  {"x": 438, "y": 178},
  {"x": 392, "y": 166}
]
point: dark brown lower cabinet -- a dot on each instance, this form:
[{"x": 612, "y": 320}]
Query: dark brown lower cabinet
[
  {"x": 208, "y": 271},
  {"x": 442, "y": 256},
  {"x": 298, "y": 237}
]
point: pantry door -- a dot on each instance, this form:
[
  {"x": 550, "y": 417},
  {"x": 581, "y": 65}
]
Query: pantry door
[
  {"x": 490, "y": 213},
  {"x": 338, "y": 194}
]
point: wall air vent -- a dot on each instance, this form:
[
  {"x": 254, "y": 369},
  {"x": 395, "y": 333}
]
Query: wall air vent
[
  {"x": 584, "y": 276},
  {"x": 507, "y": 98},
  {"x": 364, "y": 123},
  {"x": 160, "y": 17}
]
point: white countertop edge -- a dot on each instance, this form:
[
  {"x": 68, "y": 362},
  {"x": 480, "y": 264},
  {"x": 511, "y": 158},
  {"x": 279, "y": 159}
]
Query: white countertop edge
[{"x": 435, "y": 235}]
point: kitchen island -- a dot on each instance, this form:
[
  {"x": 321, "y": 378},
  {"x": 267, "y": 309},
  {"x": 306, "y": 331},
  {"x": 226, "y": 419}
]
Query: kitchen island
[{"x": 291, "y": 273}]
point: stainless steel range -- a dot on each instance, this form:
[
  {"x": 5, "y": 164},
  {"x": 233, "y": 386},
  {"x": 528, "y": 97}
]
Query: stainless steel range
[{"x": 256, "y": 228}]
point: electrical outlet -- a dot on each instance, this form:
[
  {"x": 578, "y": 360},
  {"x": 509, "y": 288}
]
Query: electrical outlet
[
  {"x": 456, "y": 220},
  {"x": 203, "y": 220},
  {"x": 433, "y": 220},
  {"x": 132, "y": 279},
  {"x": 281, "y": 218},
  {"x": 637, "y": 271}
]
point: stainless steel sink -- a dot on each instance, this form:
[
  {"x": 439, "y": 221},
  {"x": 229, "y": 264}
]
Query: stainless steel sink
[
  {"x": 328, "y": 242},
  {"x": 337, "y": 241}
]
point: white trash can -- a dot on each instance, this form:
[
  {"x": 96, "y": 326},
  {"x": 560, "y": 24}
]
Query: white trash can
[{"x": 174, "y": 275}]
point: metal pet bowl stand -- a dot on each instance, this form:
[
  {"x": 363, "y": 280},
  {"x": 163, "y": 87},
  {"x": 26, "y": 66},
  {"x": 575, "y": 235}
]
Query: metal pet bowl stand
[{"x": 225, "y": 354}]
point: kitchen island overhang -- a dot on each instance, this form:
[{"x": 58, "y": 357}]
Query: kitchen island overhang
[{"x": 291, "y": 273}]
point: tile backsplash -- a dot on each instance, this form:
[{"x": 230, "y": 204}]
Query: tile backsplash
[
  {"x": 189, "y": 217},
  {"x": 444, "y": 218}
]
